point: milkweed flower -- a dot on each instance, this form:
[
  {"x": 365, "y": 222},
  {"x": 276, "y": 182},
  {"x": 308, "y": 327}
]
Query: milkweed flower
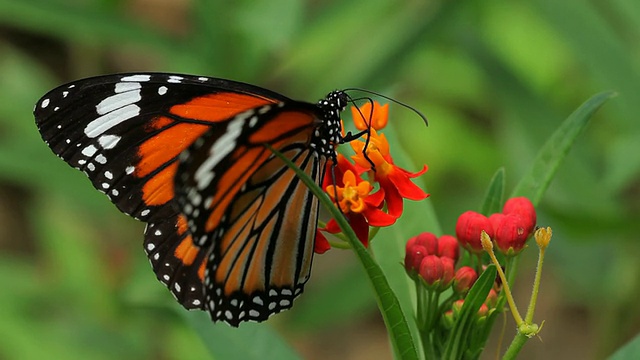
[
  {"x": 510, "y": 233},
  {"x": 353, "y": 196},
  {"x": 431, "y": 270},
  {"x": 522, "y": 207},
  {"x": 448, "y": 247},
  {"x": 464, "y": 279},
  {"x": 468, "y": 229},
  {"x": 394, "y": 180},
  {"x": 377, "y": 114}
]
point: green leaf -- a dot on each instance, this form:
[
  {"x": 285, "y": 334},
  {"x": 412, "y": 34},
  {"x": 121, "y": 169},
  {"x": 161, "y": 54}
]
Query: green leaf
[
  {"x": 629, "y": 351},
  {"x": 225, "y": 342},
  {"x": 394, "y": 319},
  {"x": 546, "y": 164},
  {"x": 494, "y": 197},
  {"x": 458, "y": 341}
]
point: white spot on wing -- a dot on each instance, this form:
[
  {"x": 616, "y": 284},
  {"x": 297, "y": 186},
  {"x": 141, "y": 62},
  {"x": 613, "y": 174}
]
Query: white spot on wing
[
  {"x": 89, "y": 151},
  {"x": 105, "y": 122},
  {"x": 221, "y": 148},
  {"x": 100, "y": 159},
  {"x": 129, "y": 170},
  {"x": 118, "y": 101},
  {"x": 127, "y": 86},
  {"x": 44, "y": 103},
  {"x": 108, "y": 141},
  {"x": 175, "y": 79},
  {"x": 136, "y": 78},
  {"x": 108, "y": 175},
  {"x": 162, "y": 90}
]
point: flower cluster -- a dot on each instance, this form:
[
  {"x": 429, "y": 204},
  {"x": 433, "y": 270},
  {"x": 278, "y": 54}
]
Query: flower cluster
[
  {"x": 509, "y": 229},
  {"x": 431, "y": 262},
  {"x": 357, "y": 198}
]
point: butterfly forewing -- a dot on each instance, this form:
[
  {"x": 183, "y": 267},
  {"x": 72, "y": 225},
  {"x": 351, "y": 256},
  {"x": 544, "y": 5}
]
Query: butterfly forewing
[{"x": 126, "y": 131}]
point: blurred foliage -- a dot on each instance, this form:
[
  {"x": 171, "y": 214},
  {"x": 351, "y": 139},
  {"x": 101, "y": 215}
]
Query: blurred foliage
[{"x": 495, "y": 78}]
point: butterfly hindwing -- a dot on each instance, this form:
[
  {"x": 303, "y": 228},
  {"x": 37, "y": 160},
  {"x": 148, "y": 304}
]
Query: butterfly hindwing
[
  {"x": 258, "y": 218},
  {"x": 177, "y": 262}
]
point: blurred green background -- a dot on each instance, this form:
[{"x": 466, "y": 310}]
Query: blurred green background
[{"x": 495, "y": 78}]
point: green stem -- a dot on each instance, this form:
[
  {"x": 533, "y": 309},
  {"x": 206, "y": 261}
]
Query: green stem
[
  {"x": 425, "y": 327},
  {"x": 536, "y": 287},
  {"x": 516, "y": 345}
]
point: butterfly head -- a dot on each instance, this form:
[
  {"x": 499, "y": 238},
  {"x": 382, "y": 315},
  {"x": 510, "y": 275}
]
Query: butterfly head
[{"x": 328, "y": 134}]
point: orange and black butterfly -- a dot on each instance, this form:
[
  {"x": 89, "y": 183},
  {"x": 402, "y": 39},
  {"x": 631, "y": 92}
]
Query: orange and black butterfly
[{"x": 230, "y": 228}]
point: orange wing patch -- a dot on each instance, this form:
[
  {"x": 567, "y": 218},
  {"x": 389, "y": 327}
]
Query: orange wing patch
[
  {"x": 232, "y": 180},
  {"x": 186, "y": 251},
  {"x": 285, "y": 123},
  {"x": 159, "y": 189},
  {"x": 166, "y": 145},
  {"x": 218, "y": 107}
]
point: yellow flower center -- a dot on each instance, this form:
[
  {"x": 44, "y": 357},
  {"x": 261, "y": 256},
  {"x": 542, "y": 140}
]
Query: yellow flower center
[{"x": 351, "y": 196}]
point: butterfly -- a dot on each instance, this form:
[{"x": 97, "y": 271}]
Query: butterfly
[{"x": 230, "y": 228}]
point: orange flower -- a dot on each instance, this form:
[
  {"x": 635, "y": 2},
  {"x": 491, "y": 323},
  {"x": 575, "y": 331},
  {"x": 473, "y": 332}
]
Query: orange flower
[
  {"x": 351, "y": 196},
  {"x": 395, "y": 181},
  {"x": 357, "y": 203},
  {"x": 378, "y": 117}
]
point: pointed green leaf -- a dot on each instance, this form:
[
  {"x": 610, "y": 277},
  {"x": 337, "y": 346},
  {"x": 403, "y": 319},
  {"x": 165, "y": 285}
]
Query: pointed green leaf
[
  {"x": 537, "y": 180},
  {"x": 629, "y": 351},
  {"x": 493, "y": 199},
  {"x": 458, "y": 341}
]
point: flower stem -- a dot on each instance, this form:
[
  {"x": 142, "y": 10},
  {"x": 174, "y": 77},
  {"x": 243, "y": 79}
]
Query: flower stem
[
  {"x": 488, "y": 247},
  {"x": 536, "y": 287},
  {"x": 516, "y": 345}
]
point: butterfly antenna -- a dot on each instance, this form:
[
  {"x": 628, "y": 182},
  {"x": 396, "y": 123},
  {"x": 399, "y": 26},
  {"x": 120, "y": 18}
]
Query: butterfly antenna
[
  {"x": 367, "y": 131},
  {"x": 424, "y": 118}
]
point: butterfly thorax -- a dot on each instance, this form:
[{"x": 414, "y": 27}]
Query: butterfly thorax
[{"x": 328, "y": 134}]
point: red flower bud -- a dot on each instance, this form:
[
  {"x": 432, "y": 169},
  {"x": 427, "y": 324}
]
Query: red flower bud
[
  {"x": 431, "y": 269},
  {"x": 510, "y": 233},
  {"x": 457, "y": 307},
  {"x": 426, "y": 239},
  {"x": 412, "y": 259},
  {"x": 448, "y": 247},
  {"x": 484, "y": 309},
  {"x": 468, "y": 229},
  {"x": 448, "y": 319},
  {"x": 448, "y": 271},
  {"x": 524, "y": 208},
  {"x": 492, "y": 299},
  {"x": 464, "y": 279}
]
